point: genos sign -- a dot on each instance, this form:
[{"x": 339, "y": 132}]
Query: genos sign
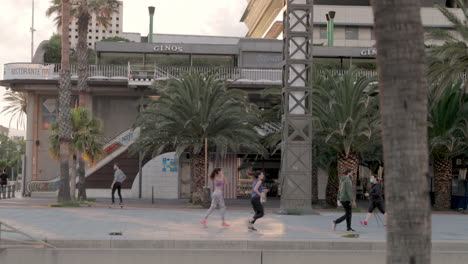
[
  {"x": 369, "y": 52},
  {"x": 171, "y": 48}
]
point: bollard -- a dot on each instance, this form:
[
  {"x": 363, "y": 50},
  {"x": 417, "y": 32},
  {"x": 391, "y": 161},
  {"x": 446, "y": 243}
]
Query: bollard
[
  {"x": 8, "y": 191},
  {"x": 13, "y": 191}
]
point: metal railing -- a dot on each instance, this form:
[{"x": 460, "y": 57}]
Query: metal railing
[{"x": 28, "y": 71}]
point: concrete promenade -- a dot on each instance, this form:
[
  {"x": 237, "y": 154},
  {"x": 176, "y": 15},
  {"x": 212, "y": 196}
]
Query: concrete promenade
[{"x": 174, "y": 228}]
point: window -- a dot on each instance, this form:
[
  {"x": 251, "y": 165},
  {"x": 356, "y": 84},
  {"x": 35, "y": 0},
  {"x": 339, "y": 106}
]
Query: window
[
  {"x": 121, "y": 58},
  {"x": 69, "y": 29},
  {"x": 352, "y": 33},
  {"x": 323, "y": 32},
  {"x": 110, "y": 31},
  {"x": 97, "y": 37},
  {"x": 97, "y": 24},
  {"x": 117, "y": 18},
  {"x": 117, "y": 25},
  {"x": 168, "y": 59},
  {"x": 89, "y": 43},
  {"x": 76, "y": 36},
  {"x": 372, "y": 34},
  {"x": 76, "y": 30},
  {"x": 212, "y": 60},
  {"x": 90, "y": 37},
  {"x": 69, "y": 36},
  {"x": 90, "y": 31},
  {"x": 117, "y": 32},
  {"x": 97, "y": 31},
  {"x": 103, "y": 31}
]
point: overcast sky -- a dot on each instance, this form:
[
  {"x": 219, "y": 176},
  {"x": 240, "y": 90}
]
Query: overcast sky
[{"x": 198, "y": 17}]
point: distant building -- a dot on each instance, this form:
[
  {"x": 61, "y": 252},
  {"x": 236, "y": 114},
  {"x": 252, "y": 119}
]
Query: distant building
[
  {"x": 4, "y": 130},
  {"x": 96, "y": 31}
]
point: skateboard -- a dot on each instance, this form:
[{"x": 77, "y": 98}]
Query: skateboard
[{"x": 116, "y": 206}]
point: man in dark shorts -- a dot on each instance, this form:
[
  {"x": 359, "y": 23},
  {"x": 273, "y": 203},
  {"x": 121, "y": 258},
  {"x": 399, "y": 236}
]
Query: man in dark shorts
[
  {"x": 375, "y": 199},
  {"x": 3, "y": 181}
]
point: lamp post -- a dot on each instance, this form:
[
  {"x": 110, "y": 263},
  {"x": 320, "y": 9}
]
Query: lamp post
[{"x": 330, "y": 27}]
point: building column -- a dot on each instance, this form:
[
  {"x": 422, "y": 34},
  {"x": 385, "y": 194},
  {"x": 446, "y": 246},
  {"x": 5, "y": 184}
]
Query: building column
[{"x": 30, "y": 140}]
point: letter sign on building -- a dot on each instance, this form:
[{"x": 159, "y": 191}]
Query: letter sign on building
[
  {"x": 170, "y": 48},
  {"x": 369, "y": 52}
]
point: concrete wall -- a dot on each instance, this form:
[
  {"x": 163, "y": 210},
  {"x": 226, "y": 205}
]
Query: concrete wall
[
  {"x": 117, "y": 114},
  {"x": 208, "y": 256},
  {"x": 162, "y": 173}
]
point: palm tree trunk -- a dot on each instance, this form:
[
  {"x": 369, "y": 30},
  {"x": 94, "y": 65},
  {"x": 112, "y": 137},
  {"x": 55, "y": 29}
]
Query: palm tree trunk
[
  {"x": 197, "y": 162},
  {"x": 81, "y": 179},
  {"x": 73, "y": 178},
  {"x": 403, "y": 106},
  {"x": 82, "y": 52},
  {"x": 443, "y": 183},
  {"x": 65, "y": 106},
  {"x": 333, "y": 184},
  {"x": 314, "y": 183},
  {"x": 349, "y": 162}
]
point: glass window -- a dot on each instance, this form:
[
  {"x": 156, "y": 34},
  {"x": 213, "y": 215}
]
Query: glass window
[
  {"x": 352, "y": 33},
  {"x": 121, "y": 58},
  {"x": 167, "y": 59},
  {"x": 372, "y": 34},
  {"x": 323, "y": 32},
  {"x": 213, "y": 60}
]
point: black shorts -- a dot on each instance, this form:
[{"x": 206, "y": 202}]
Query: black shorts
[{"x": 376, "y": 204}]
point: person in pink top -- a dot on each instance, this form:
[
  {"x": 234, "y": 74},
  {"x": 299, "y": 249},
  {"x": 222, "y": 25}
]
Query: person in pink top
[{"x": 217, "y": 198}]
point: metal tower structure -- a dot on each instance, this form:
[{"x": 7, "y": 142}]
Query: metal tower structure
[{"x": 296, "y": 153}]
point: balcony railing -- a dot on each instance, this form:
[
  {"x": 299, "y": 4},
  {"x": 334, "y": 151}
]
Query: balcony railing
[{"x": 145, "y": 75}]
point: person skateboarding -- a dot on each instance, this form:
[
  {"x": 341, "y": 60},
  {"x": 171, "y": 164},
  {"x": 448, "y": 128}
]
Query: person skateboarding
[{"x": 119, "y": 178}]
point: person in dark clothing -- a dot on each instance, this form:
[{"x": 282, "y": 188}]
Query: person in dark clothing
[
  {"x": 119, "y": 178},
  {"x": 375, "y": 199},
  {"x": 3, "y": 180},
  {"x": 257, "y": 192},
  {"x": 346, "y": 198}
]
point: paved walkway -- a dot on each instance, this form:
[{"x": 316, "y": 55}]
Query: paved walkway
[{"x": 179, "y": 221}]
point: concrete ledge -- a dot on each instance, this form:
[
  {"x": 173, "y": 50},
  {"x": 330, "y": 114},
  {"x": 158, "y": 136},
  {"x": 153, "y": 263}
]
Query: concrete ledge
[
  {"x": 445, "y": 246},
  {"x": 171, "y": 256}
]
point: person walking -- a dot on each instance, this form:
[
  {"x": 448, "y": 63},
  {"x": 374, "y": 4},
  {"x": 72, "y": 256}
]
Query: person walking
[
  {"x": 217, "y": 198},
  {"x": 3, "y": 181},
  {"x": 346, "y": 198},
  {"x": 119, "y": 178},
  {"x": 257, "y": 192},
  {"x": 375, "y": 199}
]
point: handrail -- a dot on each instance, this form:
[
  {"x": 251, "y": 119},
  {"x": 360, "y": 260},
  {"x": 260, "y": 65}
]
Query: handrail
[{"x": 31, "y": 243}]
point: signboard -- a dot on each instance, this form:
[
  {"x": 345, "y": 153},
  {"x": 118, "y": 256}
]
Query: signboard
[
  {"x": 29, "y": 71},
  {"x": 170, "y": 48},
  {"x": 369, "y": 52}
]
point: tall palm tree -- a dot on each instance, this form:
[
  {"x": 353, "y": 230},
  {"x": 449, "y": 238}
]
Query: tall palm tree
[
  {"x": 83, "y": 10},
  {"x": 449, "y": 61},
  {"x": 17, "y": 107},
  {"x": 85, "y": 135},
  {"x": 346, "y": 111},
  {"x": 64, "y": 118},
  {"x": 190, "y": 110},
  {"x": 403, "y": 106},
  {"x": 448, "y": 138}
]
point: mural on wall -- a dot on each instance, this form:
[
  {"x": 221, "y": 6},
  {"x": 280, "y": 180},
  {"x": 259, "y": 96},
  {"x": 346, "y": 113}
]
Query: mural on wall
[
  {"x": 170, "y": 165},
  {"x": 49, "y": 112}
]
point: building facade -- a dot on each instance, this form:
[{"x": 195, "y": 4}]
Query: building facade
[
  {"x": 97, "y": 31},
  {"x": 353, "y": 20}
]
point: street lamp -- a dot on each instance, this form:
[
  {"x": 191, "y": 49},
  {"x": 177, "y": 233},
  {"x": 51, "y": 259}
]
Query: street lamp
[{"x": 330, "y": 26}]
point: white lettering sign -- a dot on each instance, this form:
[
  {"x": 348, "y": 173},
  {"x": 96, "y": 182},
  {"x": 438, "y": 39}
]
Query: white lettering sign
[
  {"x": 171, "y": 48},
  {"x": 369, "y": 52},
  {"x": 29, "y": 71}
]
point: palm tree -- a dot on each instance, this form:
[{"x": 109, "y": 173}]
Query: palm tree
[
  {"x": 17, "y": 107},
  {"x": 448, "y": 138},
  {"x": 85, "y": 135},
  {"x": 449, "y": 61},
  {"x": 403, "y": 106},
  {"x": 190, "y": 110},
  {"x": 64, "y": 107},
  {"x": 82, "y": 11},
  {"x": 347, "y": 120}
]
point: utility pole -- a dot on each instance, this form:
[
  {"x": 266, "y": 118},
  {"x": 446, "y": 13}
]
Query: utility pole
[{"x": 32, "y": 32}]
